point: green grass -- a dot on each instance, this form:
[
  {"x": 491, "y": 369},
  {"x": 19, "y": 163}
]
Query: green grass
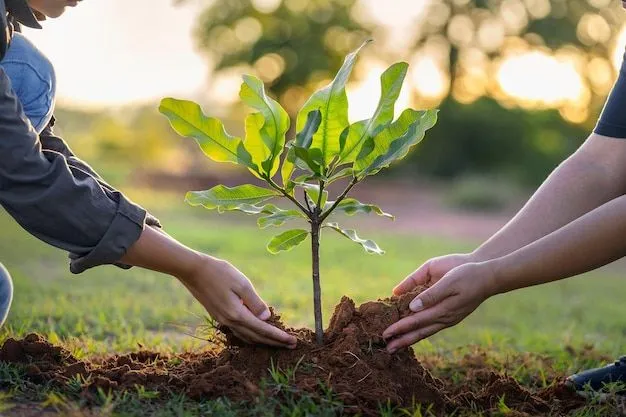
[{"x": 108, "y": 309}]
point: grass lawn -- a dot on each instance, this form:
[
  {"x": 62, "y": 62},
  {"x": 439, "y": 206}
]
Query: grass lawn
[{"x": 107, "y": 309}]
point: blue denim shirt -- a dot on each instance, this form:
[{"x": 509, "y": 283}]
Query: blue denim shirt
[{"x": 33, "y": 79}]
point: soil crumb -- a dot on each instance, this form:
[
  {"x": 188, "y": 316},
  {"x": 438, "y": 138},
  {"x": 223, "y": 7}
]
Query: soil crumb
[{"x": 352, "y": 362}]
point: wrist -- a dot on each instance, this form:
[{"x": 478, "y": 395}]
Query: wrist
[
  {"x": 493, "y": 276},
  {"x": 193, "y": 265}
]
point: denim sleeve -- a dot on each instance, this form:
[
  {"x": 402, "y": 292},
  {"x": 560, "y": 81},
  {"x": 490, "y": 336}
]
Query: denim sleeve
[
  {"x": 33, "y": 79},
  {"x": 612, "y": 121},
  {"x": 56, "y": 202}
]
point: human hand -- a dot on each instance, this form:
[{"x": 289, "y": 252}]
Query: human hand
[
  {"x": 229, "y": 297},
  {"x": 446, "y": 303},
  {"x": 432, "y": 271}
]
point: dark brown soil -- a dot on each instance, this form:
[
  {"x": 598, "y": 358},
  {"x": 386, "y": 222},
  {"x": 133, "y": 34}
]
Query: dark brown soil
[{"x": 353, "y": 362}]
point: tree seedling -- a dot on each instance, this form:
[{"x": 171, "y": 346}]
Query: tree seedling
[{"x": 326, "y": 148}]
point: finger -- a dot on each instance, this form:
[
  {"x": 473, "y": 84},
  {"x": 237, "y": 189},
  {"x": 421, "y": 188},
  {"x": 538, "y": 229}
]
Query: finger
[
  {"x": 257, "y": 338},
  {"x": 240, "y": 335},
  {"x": 432, "y": 296},
  {"x": 420, "y": 276},
  {"x": 254, "y": 303},
  {"x": 266, "y": 331},
  {"x": 413, "y": 337},
  {"x": 414, "y": 322}
]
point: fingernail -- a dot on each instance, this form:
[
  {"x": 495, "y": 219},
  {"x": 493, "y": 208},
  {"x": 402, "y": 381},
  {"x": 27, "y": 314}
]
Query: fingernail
[
  {"x": 416, "y": 305},
  {"x": 392, "y": 350},
  {"x": 265, "y": 315},
  {"x": 387, "y": 336}
]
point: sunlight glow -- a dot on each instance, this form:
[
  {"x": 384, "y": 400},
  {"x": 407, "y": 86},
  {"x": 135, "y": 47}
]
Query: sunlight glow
[{"x": 538, "y": 77}]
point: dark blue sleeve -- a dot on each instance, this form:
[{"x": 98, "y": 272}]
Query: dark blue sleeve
[{"x": 612, "y": 121}]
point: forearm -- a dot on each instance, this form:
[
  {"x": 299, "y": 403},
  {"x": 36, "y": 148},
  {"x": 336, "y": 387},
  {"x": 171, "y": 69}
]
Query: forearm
[
  {"x": 589, "y": 242},
  {"x": 580, "y": 184},
  {"x": 159, "y": 252}
]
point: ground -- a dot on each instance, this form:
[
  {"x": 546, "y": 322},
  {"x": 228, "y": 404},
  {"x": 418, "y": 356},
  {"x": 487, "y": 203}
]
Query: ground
[{"x": 537, "y": 334}]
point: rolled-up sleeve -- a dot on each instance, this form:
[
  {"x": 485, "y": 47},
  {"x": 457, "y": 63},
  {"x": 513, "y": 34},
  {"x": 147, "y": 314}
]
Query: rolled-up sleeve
[{"x": 63, "y": 206}]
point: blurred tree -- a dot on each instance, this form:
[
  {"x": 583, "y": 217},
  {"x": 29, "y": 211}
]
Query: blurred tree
[
  {"x": 293, "y": 44},
  {"x": 290, "y": 43}
]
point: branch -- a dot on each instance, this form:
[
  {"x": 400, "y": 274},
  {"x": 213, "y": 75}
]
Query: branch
[
  {"x": 319, "y": 197},
  {"x": 339, "y": 200},
  {"x": 286, "y": 194},
  {"x": 306, "y": 200}
]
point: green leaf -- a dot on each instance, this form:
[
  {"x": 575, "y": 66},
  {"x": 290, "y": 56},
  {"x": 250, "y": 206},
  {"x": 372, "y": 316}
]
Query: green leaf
[
  {"x": 350, "y": 206},
  {"x": 278, "y": 217},
  {"x": 237, "y": 198},
  {"x": 276, "y": 119},
  {"x": 369, "y": 245},
  {"x": 312, "y": 159},
  {"x": 254, "y": 143},
  {"x": 287, "y": 240},
  {"x": 188, "y": 120},
  {"x": 391, "y": 84},
  {"x": 332, "y": 102},
  {"x": 395, "y": 141},
  {"x": 303, "y": 140},
  {"x": 346, "y": 172}
]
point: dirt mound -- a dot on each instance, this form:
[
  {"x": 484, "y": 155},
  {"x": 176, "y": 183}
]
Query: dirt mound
[{"x": 353, "y": 362}]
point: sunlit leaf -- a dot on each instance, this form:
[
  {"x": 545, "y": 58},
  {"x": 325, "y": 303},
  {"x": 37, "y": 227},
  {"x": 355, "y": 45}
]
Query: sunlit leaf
[
  {"x": 391, "y": 85},
  {"x": 303, "y": 140},
  {"x": 395, "y": 141},
  {"x": 188, "y": 120},
  {"x": 278, "y": 217},
  {"x": 369, "y": 245},
  {"x": 287, "y": 240},
  {"x": 224, "y": 198},
  {"x": 276, "y": 119},
  {"x": 351, "y": 206},
  {"x": 332, "y": 102},
  {"x": 254, "y": 143}
]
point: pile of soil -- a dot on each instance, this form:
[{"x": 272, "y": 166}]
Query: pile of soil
[{"x": 353, "y": 362}]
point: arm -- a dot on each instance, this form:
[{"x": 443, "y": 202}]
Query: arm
[
  {"x": 593, "y": 175},
  {"x": 591, "y": 241},
  {"x": 224, "y": 292},
  {"x": 73, "y": 211}
]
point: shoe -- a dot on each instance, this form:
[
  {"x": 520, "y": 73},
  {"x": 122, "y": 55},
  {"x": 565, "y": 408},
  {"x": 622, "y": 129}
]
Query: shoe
[
  {"x": 594, "y": 380},
  {"x": 6, "y": 294}
]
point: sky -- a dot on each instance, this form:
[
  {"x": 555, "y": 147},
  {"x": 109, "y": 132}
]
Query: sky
[{"x": 104, "y": 57}]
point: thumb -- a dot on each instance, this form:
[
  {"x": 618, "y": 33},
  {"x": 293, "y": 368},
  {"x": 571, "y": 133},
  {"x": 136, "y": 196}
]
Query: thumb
[
  {"x": 429, "y": 298},
  {"x": 419, "y": 277},
  {"x": 254, "y": 303}
]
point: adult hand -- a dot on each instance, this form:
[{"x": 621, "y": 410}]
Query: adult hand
[
  {"x": 443, "y": 305},
  {"x": 432, "y": 271},
  {"x": 229, "y": 297}
]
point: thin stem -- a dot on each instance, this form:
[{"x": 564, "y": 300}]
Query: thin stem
[
  {"x": 343, "y": 195},
  {"x": 286, "y": 194},
  {"x": 306, "y": 200},
  {"x": 317, "y": 291},
  {"x": 319, "y": 208}
]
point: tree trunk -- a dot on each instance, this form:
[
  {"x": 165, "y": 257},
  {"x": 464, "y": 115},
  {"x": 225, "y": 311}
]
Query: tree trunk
[{"x": 317, "y": 292}]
